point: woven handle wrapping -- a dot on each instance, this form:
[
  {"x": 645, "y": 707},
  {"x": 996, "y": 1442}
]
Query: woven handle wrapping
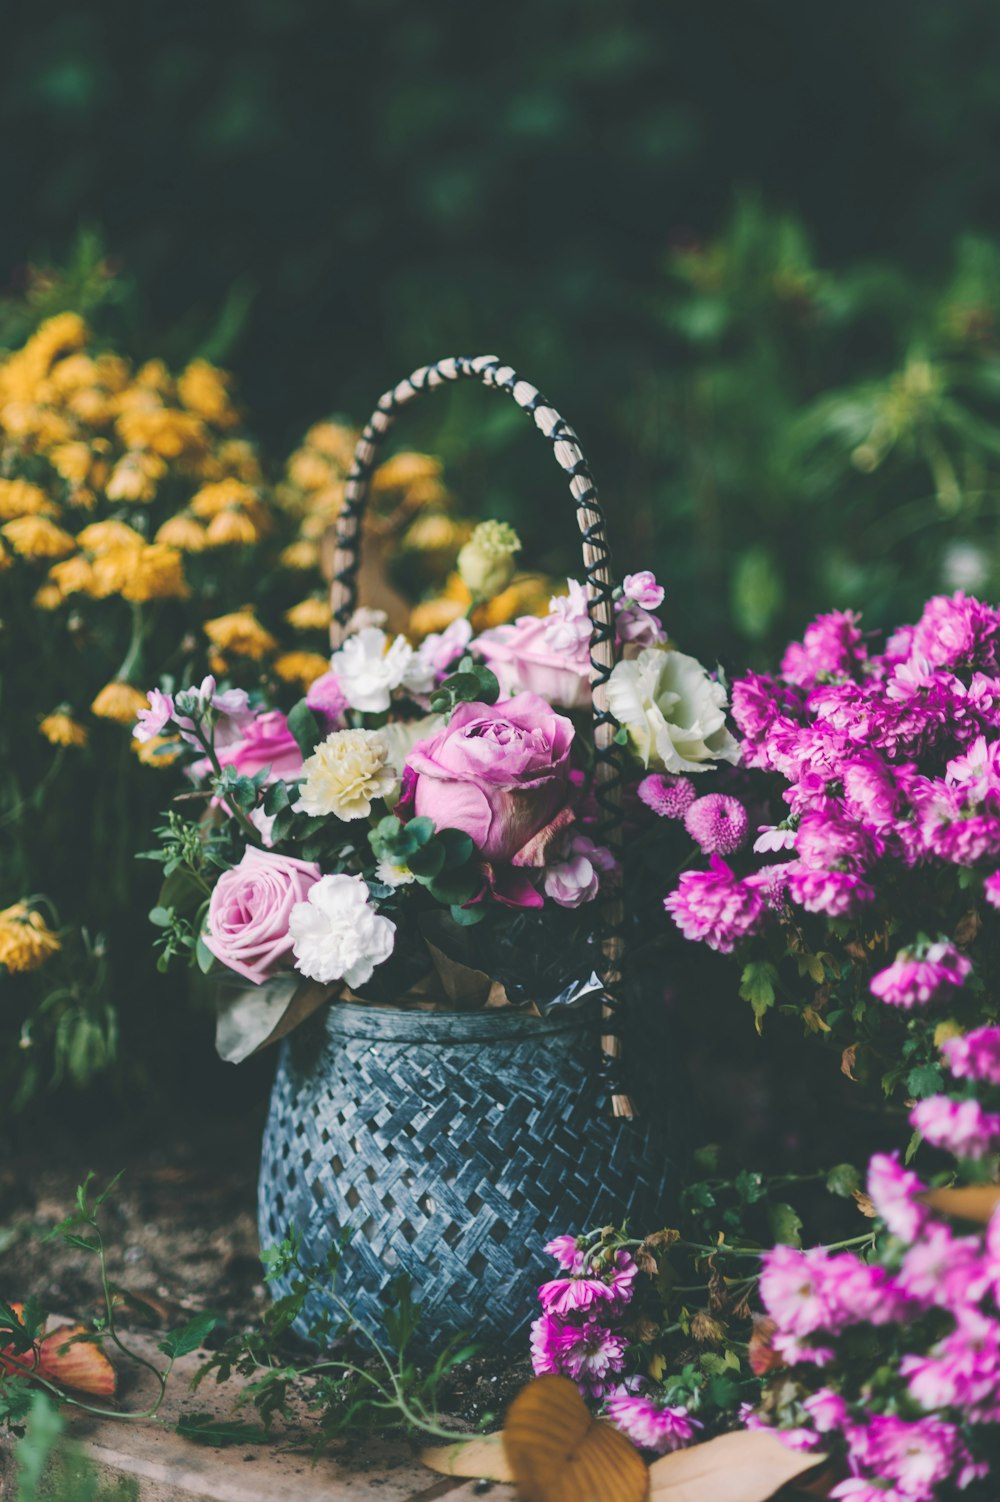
[{"x": 600, "y": 598}]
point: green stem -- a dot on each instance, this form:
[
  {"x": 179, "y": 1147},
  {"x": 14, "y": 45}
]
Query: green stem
[
  {"x": 133, "y": 657},
  {"x": 12, "y": 813}
]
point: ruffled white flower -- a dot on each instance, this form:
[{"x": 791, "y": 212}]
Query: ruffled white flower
[
  {"x": 394, "y": 875},
  {"x": 673, "y": 711},
  {"x": 345, "y": 773},
  {"x": 369, "y": 666},
  {"x": 337, "y": 934}
]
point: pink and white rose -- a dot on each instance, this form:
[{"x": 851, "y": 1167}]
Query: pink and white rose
[
  {"x": 498, "y": 772},
  {"x": 248, "y": 916}
]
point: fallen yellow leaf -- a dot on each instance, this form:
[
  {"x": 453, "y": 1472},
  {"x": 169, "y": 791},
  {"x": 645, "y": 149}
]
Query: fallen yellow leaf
[
  {"x": 975, "y": 1202},
  {"x": 749, "y": 1466},
  {"x": 482, "y": 1457},
  {"x": 558, "y": 1453}
]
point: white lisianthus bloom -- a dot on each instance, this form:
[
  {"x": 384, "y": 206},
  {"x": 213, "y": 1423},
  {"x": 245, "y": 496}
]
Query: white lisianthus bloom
[
  {"x": 337, "y": 934},
  {"x": 674, "y": 712},
  {"x": 369, "y": 666},
  {"x": 402, "y": 735},
  {"x": 345, "y": 773}
]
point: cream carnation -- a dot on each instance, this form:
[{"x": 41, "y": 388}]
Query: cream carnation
[
  {"x": 337, "y": 935},
  {"x": 344, "y": 774},
  {"x": 673, "y": 711}
]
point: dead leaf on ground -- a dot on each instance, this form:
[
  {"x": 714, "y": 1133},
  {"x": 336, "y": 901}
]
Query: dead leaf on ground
[
  {"x": 848, "y": 1059},
  {"x": 749, "y": 1466},
  {"x": 481, "y": 1458},
  {"x": 64, "y": 1358},
  {"x": 975, "y": 1202},
  {"x": 558, "y": 1453}
]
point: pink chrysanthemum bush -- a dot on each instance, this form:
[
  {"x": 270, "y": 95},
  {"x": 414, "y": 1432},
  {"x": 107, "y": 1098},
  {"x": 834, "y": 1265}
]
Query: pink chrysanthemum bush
[{"x": 867, "y": 901}]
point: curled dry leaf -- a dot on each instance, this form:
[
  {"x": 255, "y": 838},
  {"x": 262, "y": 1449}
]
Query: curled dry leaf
[
  {"x": 65, "y": 1359},
  {"x": 762, "y": 1356},
  {"x": 749, "y": 1466},
  {"x": 482, "y": 1458},
  {"x": 975, "y": 1202},
  {"x": 558, "y": 1453}
]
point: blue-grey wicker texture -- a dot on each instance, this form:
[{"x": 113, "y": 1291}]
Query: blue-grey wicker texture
[{"x": 452, "y": 1146}]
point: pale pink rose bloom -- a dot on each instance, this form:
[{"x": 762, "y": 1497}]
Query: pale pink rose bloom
[
  {"x": 643, "y": 589},
  {"x": 248, "y": 914},
  {"x": 498, "y": 772},
  {"x": 525, "y": 661},
  {"x": 265, "y": 742},
  {"x": 574, "y": 876}
]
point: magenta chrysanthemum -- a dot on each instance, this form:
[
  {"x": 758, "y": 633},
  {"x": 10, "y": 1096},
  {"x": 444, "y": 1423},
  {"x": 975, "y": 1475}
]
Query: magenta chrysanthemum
[
  {"x": 912, "y": 981},
  {"x": 975, "y": 1055},
  {"x": 715, "y": 907},
  {"x": 717, "y": 823},
  {"x": 961, "y": 1127},
  {"x": 651, "y": 1425},
  {"x": 667, "y": 795}
]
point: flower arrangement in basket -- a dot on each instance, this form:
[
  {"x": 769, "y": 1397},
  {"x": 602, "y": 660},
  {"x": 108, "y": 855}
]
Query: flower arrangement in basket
[{"x": 427, "y": 835}]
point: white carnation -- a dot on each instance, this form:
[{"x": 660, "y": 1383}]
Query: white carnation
[
  {"x": 674, "y": 712},
  {"x": 345, "y": 773},
  {"x": 369, "y": 666},
  {"x": 337, "y": 934}
]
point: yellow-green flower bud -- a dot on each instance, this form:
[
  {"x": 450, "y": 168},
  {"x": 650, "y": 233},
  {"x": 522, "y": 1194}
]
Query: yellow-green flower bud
[{"x": 486, "y": 563}]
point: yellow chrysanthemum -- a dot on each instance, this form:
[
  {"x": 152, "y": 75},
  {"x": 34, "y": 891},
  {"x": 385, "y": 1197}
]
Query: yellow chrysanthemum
[
  {"x": 166, "y": 431},
  {"x": 38, "y": 427},
  {"x": 334, "y": 439},
  {"x": 309, "y": 470},
  {"x": 433, "y": 615},
  {"x": 242, "y": 633},
  {"x": 156, "y": 573},
  {"x": 527, "y": 595},
  {"x": 302, "y": 668},
  {"x": 6, "y": 558},
  {"x": 26, "y": 941},
  {"x": 134, "y": 477},
  {"x": 155, "y": 376},
  {"x": 182, "y": 532},
  {"x": 404, "y": 470},
  {"x": 300, "y": 555},
  {"x": 119, "y": 702},
  {"x": 21, "y": 498},
  {"x": 101, "y": 537},
  {"x": 72, "y": 461},
  {"x": 159, "y": 750},
  {"x": 47, "y": 596},
  {"x": 238, "y": 460},
  {"x": 111, "y": 372},
  {"x": 212, "y": 500},
  {"x": 72, "y": 373},
  {"x": 205, "y": 390},
  {"x": 57, "y": 336},
  {"x": 37, "y": 537},
  {"x": 60, "y": 729},
  {"x": 437, "y": 533},
  {"x": 310, "y": 615},
  {"x": 231, "y": 528},
  {"x": 71, "y": 577}
]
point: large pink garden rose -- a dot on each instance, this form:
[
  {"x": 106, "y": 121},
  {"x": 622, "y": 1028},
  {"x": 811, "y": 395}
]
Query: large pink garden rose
[
  {"x": 248, "y": 915},
  {"x": 500, "y": 772},
  {"x": 526, "y": 662},
  {"x": 265, "y": 742}
]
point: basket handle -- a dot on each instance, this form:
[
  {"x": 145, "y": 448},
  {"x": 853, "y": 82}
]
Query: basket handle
[{"x": 600, "y": 605}]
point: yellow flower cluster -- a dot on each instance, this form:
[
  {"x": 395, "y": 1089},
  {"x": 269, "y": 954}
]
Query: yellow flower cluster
[
  {"x": 98, "y": 438},
  {"x": 26, "y": 941}
]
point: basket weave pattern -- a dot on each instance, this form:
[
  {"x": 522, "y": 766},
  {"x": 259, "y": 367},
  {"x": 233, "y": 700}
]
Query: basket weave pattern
[{"x": 452, "y": 1146}]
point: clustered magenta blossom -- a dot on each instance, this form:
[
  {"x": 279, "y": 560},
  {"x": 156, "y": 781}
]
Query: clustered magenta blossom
[
  {"x": 909, "y": 1426},
  {"x": 582, "y": 1333},
  {"x": 890, "y": 762}
]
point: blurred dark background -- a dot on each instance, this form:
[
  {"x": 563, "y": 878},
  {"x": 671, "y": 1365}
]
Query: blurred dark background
[{"x": 746, "y": 248}]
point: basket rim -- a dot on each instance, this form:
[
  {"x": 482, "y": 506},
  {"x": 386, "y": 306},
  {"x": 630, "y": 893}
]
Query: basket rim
[{"x": 358, "y": 1019}]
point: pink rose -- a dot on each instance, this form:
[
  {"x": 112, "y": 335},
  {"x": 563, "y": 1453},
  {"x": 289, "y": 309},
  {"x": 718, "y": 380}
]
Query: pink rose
[
  {"x": 327, "y": 699},
  {"x": 500, "y": 772},
  {"x": 247, "y": 926},
  {"x": 265, "y": 742},
  {"x": 526, "y": 662}
]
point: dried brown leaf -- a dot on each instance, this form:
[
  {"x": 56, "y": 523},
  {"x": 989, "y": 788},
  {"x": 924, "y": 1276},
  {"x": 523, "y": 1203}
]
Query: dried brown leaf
[{"x": 748, "y": 1466}]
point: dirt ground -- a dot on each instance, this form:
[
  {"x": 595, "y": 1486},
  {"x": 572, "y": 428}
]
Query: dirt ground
[{"x": 181, "y": 1234}]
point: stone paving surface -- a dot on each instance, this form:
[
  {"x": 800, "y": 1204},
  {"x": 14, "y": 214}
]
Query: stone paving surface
[{"x": 167, "y": 1468}]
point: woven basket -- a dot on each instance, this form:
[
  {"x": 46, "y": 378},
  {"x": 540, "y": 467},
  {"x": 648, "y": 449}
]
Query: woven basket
[{"x": 451, "y": 1147}]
